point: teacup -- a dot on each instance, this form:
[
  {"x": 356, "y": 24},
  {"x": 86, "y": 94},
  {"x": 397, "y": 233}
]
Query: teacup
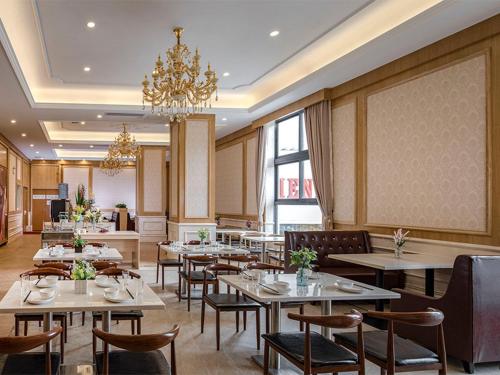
[
  {"x": 111, "y": 292},
  {"x": 51, "y": 280},
  {"x": 46, "y": 293}
]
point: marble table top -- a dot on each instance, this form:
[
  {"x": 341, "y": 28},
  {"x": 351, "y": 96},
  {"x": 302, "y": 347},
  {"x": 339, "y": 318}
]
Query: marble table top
[{"x": 387, "y": 261}]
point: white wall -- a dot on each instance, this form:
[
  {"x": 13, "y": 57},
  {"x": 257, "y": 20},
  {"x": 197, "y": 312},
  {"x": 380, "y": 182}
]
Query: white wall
[{"x": 109, "y": 191}]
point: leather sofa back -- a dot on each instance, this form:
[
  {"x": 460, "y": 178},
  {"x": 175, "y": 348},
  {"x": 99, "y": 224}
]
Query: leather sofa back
[{"x": 327, "y": 242}]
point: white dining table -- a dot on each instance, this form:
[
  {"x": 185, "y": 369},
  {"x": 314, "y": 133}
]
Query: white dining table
[
  {"x": 263, "y": 240},
  {"x": 66, "y": 300},
  {"x": 69, "y": 255},
  {"x": 323, "y": 289}
]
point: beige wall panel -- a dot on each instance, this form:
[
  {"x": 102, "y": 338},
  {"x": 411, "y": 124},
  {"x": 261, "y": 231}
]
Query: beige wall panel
[
  {"x": 174, "y": 160},
  {"x": 427, "y": 151},
  {"x": 73, "y": 176},
  {"x": 229, "y": 180},
  {"x": 154, "y": 164},
  {"x": 44, "y": 176},
  {"x": 110, "y": 190},
  {"x": 251, "y": 165},
  {"x": 344, "y": 162},
  {"x": 196, "y": 166},
  {"x": 12, "y": 182}
]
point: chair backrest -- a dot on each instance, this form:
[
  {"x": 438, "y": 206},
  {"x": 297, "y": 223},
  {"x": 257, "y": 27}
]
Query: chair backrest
[
  {"x": 265, "y": 267},
  {"x": 19, "y": 344},
  {"x": 192, "y": 242},
  {"x": 158, "y": 248},
  {"x": 39, "y": 272},
  {"x": 58, "y": 265},
  {"x": 243, "y": 258},
  {"x": 138, "y": 343},
  {"x": 214, "y": 269},
  {"x": 117, "y": 272},
  {"x": 325, "y": 243},
  {"x": 201, "y": 258},
  {"x": 100, "y": 265},
  {"x": 67, "y": 245},
  {"x": 96, "y": 244}
]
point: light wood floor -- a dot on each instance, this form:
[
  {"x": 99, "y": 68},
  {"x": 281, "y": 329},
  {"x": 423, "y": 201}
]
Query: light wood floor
[{"x": 196, "y": 353}]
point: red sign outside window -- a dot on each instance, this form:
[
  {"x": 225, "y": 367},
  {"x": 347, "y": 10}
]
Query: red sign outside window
[{"x": 289, "y": 188}]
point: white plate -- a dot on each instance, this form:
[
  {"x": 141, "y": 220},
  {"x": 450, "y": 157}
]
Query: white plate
[
  {"x": 35, "y": 299},
  {"x": 123, "y": 297},
  {"x": 42, "y": 283},
  {"x": 274, "y": 289},
  {"x": 106, "y": 283},
  {"x": 350, "y": 289}
]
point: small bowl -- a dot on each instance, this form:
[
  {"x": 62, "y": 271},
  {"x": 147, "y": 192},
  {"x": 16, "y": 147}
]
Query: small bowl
[
  {"x": 111, "y": 292},
  {"x": 47, "y": 293},
  {"x": 344, "y": 284},
  {"x": 51, "y": 280},
  {"x": 282, "y": 284},
  {"x": 101, "y": 278}
]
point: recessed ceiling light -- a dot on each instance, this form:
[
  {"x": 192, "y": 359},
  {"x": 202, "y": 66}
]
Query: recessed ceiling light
[
  {"x": 226, "y": 74},
  {"x": 224, "y": 119},
  {"x": 166, "y": 125},
  {"x": 274, "y": 33},
  {"x": 86, "y": 69},
  {"x": 91, "y": 146},
  {"x": 60, "y": 145},
  {"x": 23, "y": 134},
  {"x": 91, "y": 24},
  {"x": 99, "y": 116},
  {"x": 37, "y": 152},
  {"x": 32, "y": 145},
  {"x": 82, "y": 122},
  {"x": 13, "y": 121}
]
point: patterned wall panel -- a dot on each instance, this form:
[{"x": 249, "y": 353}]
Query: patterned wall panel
[
  {"x": 426, "y": 150},
  {"x": 344, "y": 162},
  {"x": 229, "y": 180},
  {"x": 196, "y": 180},
  {"x": 153, "y": 184},
  {"x": 251, "y": 168},
  {"x": 174, "y": 170}
]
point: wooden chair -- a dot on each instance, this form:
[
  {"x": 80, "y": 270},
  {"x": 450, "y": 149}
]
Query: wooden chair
[
  {"x": 96, "y": 244},
  {"x": 141, "y": 354},
  {"x": 133, "y": 316},
  {"x": 394, "y": 354},
  {"x": 21, "y": 363},
  {"x": 100, "y": 265},
  {"x": 61, "y": 317},
  {"x": 59, "y": 265},
  {"x": 192, "y": 277},
  {"x": 315, "y": 354},
  {"x": 273, "y": 268},
  {"x": 167, "y": 263},
  {"x": 226, "y": 302}
]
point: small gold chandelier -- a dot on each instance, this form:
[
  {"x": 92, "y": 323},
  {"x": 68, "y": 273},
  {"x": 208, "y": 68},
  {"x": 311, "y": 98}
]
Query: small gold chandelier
[
  {"x": 176, "y": 90},
  {"x": 122, "y": 150}
]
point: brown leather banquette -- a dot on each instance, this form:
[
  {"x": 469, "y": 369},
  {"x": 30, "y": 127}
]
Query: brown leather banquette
[{"x": 339, "y": 242}]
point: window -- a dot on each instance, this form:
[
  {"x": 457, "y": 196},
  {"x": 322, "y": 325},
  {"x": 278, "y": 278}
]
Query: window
[{"x": 295, "y": 204}]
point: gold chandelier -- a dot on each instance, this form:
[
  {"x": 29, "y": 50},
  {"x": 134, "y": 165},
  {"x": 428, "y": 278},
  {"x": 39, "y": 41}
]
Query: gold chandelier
[
  {"x": 176, "y": 90},
  {"x": 121, "y": 151}
]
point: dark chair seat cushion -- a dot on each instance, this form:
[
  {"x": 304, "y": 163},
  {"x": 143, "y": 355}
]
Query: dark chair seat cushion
[
  {"x": 120, "y": 314},
  {"x": 408, "y": 353},
  {"x": 324, "y": 352},
  {"x": 39, "y": 316},
  {"x": 224, "y": 300},
  {"x": 30, "y": 364},
  {"x": 197, "y": 275},
  {"x": 170, "y": 263},
  {"x": 122, "y": 362}
]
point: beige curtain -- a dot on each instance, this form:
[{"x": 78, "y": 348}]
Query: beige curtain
[
  {"x": 317, "y": 124},
  {"x": 261, "y": 175}
]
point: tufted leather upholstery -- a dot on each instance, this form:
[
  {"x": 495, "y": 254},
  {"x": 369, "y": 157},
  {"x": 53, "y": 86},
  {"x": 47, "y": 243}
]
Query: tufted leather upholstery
[
  {"x": 407, "y": 352},
  {"x": 324, "y": 352},
  {"x": 471, "y": 306},
  {"x": 339, "y": 242}
]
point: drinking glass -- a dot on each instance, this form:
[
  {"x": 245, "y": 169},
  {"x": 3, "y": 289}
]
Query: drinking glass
[
  {"x": 25, "y": 286},
  {"x": 139, "y": 288},
  {"x": 125, "y": 275}
]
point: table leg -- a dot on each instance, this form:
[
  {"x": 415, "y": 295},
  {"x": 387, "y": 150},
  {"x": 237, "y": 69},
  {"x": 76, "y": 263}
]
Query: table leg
[
  {"x": 326, "y": 309},
  {"x": 379, "y": 282},
  {"x": 429, "y": 282},
  {"x": 183, "y": 290},
  {"x": 264, "y": 252},
  {"x": 47, "y": 324},
  {"x": 274, "y": 358}
]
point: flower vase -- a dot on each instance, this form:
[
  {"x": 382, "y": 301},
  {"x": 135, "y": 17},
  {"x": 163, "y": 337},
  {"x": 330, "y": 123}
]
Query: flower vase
[
  {"x": 302, "y": 277},
  {"x": 78, "y": 249},
  {"x": 398, "y": 251},
  {"x": 81, "y": 286},
  {"x": 93, "y": 225}
]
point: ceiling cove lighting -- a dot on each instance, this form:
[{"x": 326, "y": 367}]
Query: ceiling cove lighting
[
  {"x": 177, "y": 89},
  {"x": 91, "y": 146},
  {"x": 82, "y": 122},
  {"x": 274, "y": 33},
  {"x": 37, "y": 152},
  {"x": 224, "y": 119},
  {"x": 86, "y": 69},
  {"x": 91, "y": 24},
  {"x": 60, "y": 145}
]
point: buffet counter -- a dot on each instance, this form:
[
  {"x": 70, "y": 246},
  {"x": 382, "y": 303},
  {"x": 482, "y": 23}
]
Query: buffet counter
[{"x": 126, "y": 241}]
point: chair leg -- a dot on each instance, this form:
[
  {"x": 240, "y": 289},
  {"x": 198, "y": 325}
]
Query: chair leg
[
  {"x": 202, "y": 315},
  {"x": 63, "y": 338},
  {"x": 25, "y": 328},
  {"x": 132, "y": 326},
  {"x": 71, "y": 318},
  {"x": 157, "y": 271},
  {"x": 163, "y": 278},
  {"x": 16, "y": 326},
  {"x": 139, "y": 327},
  {"x": 83, "y": 318},
  {"x": 244, "y": 320},
  {"x": 179, "y": 285},
  {"x": 267, "y": 319},
  {"x": 65, "y": 322},
  {"x": 301, "y": 324},
  {"x": 217, "y": 327},
  {"x": 237, "y": 321},
  {"x": 266, "y": 358},
  {"x": 382, "y": 371},
  {"x": 257, "y": 327},
  {"x": 189, "y": 296},
  {"x": 468, "y": 367},
  {"x": 94, "y": 340}
]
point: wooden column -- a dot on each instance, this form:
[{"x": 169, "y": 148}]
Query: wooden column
[{"x": 192, "y": 177}]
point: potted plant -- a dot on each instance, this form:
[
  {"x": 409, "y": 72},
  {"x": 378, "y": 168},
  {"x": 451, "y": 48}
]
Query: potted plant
[
  {"x": 399, "y": 240},
  {"x": 303, "y": 259},
  {"x": 203, "y": 235},
  {"x": 121, "y": 208},
  {"x": 93, "y": 216},
  {"x": 82, "y": 271},
  {"x": 78, "y": 243}
]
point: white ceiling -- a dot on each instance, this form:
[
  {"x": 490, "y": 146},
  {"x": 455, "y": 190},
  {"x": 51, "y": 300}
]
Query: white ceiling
[{"x": 322, "y": 43}]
